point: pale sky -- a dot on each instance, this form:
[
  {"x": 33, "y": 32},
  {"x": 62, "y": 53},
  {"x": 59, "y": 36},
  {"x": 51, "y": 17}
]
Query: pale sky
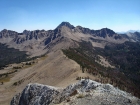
[{"x": 118, "y": 15}]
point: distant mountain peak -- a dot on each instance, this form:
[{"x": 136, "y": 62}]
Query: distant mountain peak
[
  {"x": 67, "y": 24},
  {"x": 4, "y": 30},
  {"x": 25, "y": 32},
  {"x": 108, "y": 31},
  {"x": 133, "y": 31},
  {"x": 7, "y": 31}
]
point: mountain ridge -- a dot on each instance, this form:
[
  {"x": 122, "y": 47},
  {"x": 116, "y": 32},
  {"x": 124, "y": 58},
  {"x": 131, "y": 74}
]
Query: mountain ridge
[
  {"x": 37, "y": 42},
  {"x": 70, "y": 52},
  {"x": 104, "y": 32}
]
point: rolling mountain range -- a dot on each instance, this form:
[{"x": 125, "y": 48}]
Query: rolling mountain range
[
  {"x": 64, "y": 55},
  {"x": 40, "y": 41}
]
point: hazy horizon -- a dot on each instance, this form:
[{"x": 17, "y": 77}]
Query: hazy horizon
[{"x": 117, "y": 15}]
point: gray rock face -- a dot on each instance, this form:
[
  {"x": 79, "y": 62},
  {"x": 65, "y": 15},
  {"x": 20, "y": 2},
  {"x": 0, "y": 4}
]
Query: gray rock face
[
  {"x": 83, "y": 92},
  {"x": 8, "y": 33},
  {"x": 35, "y": 94},
  {"x": 29, "y": 35}
]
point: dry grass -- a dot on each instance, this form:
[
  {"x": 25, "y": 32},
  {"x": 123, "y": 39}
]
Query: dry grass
[
  {"x": 5, "y": 79},
  {"x": 44, "y": 57},
  {"x": 81, "y": 95}
]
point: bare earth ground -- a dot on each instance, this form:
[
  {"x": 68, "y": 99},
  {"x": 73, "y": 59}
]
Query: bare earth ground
[{"x": 55, "y": 69}]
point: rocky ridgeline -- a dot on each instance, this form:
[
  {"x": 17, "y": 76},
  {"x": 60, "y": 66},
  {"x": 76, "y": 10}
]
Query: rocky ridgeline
[
  {"x": 19, "y": 38},
  {"x": 35, "y": 42},
  {"x": 43, "y": 35},
  {"x": 84, "y": 92},
  {"x": 41, "y": 41}
]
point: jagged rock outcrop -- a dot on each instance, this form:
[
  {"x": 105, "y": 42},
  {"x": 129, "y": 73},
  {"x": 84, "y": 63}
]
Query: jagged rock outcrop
[
  {"x": 84, "y": 92},
  {"x": 35, "y": 94},
  {"x": 8, "y": 33}
]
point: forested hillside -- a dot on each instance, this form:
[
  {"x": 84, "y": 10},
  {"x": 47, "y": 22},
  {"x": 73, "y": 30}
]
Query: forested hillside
[
  {"x": 124, "y": 57},
  {"x": 11, "y": 55}
]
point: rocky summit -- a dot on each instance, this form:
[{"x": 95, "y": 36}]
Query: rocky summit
[{"x": 84, "y": 92}]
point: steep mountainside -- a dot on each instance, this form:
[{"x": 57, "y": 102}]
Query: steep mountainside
[
  {"x": 34, "y": 42},
  {"x": 117, "y": 64}
]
